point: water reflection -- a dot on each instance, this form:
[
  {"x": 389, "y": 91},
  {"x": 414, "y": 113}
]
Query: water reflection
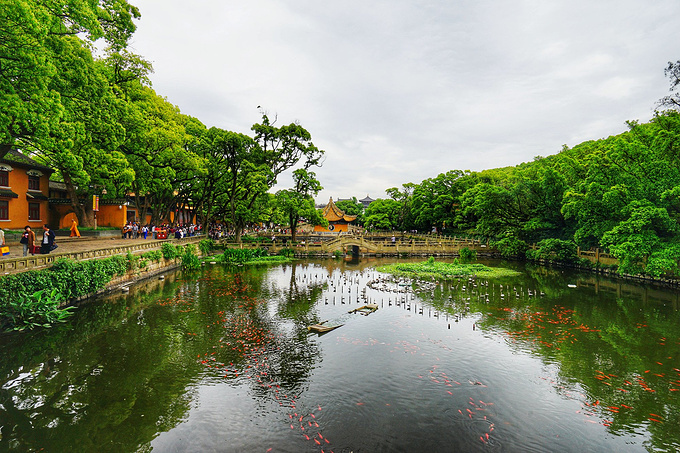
[{"x": 222, "y": 360}]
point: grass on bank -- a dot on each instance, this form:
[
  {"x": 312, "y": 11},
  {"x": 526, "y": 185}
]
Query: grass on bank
[{"x": 435, "y": 269}]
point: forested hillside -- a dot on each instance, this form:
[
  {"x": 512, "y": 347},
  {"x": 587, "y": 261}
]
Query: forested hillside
[{"x": 621, "y": 193}]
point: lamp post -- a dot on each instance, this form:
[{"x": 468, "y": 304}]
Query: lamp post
[{"x": 95, "y": 206}]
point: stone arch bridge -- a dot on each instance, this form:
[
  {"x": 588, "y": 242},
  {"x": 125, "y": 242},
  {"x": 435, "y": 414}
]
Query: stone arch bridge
[{"x": 378, "y": 244}]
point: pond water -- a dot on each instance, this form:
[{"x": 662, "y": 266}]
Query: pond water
[{"x": 221, "y": 360}]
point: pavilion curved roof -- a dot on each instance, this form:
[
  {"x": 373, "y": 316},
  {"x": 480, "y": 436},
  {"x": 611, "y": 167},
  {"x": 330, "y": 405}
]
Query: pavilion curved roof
[{"x": 334, "y": 214}]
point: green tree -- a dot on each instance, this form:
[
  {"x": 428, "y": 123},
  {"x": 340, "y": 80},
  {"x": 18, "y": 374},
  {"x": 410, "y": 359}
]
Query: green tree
[
  {"x": 298, "y": 202},
  {"x": 257, "y": 164},
  {"x": 352, "y": 207},
  {"x": 383, "y": 214},
  {"x": 32, "y": 39},
  {"x": 160, "y": 152}
]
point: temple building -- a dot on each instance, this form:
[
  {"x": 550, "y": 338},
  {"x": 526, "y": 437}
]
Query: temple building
[
  {"x": 23, "y": 192},
  {"x": 366, "y": 201},
  {"x": 338, "y": 221}
]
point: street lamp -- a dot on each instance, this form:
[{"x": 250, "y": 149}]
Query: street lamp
[{"x": 95, "y": 206}]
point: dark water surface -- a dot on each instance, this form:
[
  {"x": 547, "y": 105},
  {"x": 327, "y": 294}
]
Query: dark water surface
[{"x": 221, "y": 360}]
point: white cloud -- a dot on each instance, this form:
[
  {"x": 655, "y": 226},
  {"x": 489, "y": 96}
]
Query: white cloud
[{"x": 399, "y": 91}]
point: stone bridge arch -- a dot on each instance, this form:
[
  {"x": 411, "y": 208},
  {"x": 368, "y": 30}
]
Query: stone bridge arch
[{"x": 347, "y": 244}]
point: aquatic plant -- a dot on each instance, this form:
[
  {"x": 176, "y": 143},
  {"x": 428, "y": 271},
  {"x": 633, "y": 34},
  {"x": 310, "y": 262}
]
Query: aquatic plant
[
  {"x": 40, "y": 309},
  {"x": 189, "y": 257},
  {"x": 432, "y": 268}
]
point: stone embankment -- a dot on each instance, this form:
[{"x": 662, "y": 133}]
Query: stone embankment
[{"x": 88, "y": 248}]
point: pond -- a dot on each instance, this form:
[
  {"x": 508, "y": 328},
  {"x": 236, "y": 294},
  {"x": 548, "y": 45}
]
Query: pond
[{"x": 221, "y": 360}]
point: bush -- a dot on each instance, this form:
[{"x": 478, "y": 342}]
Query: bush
[
  {"x": 206, "y": 246},
  {"x": 132, "y": 261},
  {"x": 240, "y": 256},
  {"x": 169, "y": 251},
  {"x": 555, "y": 250},
  {"x": 66, "y": 279},
  {"x": 152, "y": 255},
  {"x": 189, "y": 257},
  {"x": 510, "y": 247},
  {"x": 467, "y": 255},
  {"x": 287, "y": 252}
]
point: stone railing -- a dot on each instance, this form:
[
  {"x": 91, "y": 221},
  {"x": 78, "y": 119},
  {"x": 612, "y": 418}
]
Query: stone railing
[{"x": 11, "y": 265}]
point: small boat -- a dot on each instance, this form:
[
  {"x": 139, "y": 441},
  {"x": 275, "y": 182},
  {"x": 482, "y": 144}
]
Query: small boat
[
  {"x": 320, "y": 328},
  {"x": 365, "y": 310}
]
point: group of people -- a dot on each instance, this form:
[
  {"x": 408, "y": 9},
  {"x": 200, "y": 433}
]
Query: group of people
[
  {"x": 28, "y": 240},
  {"x": 133, "y": 230}
]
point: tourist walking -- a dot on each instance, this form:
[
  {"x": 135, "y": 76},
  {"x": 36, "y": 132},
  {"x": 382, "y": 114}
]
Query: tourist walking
[
  {"x": 28, "y": 240},
  {"x": 47, "y": 241}
]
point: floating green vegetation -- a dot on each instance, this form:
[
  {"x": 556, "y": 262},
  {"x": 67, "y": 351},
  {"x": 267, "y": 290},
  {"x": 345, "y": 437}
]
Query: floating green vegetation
[
  {"x": 274, "y": 259},
  {"x": 247, "y": 257},
  {"x": 432, "y": 268}
]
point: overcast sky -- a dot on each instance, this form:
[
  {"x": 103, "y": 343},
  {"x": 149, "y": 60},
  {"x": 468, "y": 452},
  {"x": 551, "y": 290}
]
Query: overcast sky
[{"x": 400, "y": 91}]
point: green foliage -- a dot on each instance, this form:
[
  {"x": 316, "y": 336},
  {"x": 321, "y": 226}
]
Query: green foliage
[
  {"x": 298, "y": 203},
  {"x": 66, "y": 279},
  {"x": 467, "y": 254},
  {"x": 337, "y": 254},
  {"x": 242, "y": 256},
  {"x": 206, "y": 246},
  {"x": 132, "y": 261},
  {"x": 153, "y": 255},
  {"x": 169, "y": 251},
  {"x": 645, "y": 232},
  {"x": 432, "y": 268},
  {"x": 510, "y": 247},
  {"x": 287, "y": 252},
  {"x": 352, "y": 207},
  {"x": 40, "y": 309},
  {"x": 189, "y": 257},
  {"x": 383, "y": 214},
  {"x": 555, "y": 250},
  {"x": 274, "y": 259}
]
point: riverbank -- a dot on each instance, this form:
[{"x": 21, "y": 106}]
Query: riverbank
[{"x": 83, "y": 248}]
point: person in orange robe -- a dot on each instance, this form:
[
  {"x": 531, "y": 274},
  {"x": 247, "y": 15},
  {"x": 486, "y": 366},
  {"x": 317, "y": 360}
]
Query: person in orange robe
[{"x": 74, "y": 228}]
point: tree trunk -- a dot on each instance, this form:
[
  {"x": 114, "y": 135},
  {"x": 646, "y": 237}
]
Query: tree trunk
[
  {"x": 293, "y": 222},
  {"x": 84, "y": 213},
  {"x": 238, "y": 231}
]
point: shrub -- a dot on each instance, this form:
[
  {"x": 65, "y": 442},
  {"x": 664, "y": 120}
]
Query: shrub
[
  {"x": 66, "y": 279},
  {"x": 287, "y": 252},
  {"x": 555, "y": 250},
  {"x": 240, "y": 256},
  {"x": 189, "y": 257},
  {"x": 510, "y": 247},
  {"x": 206, "y": 246},
  {"x": 169, "y": 251},
  {"x": 132, "y": 261},
  {"x": 467, "y": 254},
  {"x": 152, "y": 255}
]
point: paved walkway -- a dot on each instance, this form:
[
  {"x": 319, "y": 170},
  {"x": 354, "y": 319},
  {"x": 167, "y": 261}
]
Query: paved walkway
[{"x": 76, "y": 245}]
